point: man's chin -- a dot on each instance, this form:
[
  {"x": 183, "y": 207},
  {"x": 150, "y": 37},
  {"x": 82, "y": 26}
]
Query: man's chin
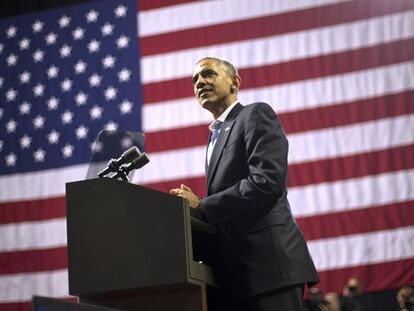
[{"x": 206, "y": 103}]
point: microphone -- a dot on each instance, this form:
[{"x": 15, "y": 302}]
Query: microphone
[
  {"x": 137, "y": 163},
  {"x": 114, "y": 164},
  {"x": 125, "y": 169}
]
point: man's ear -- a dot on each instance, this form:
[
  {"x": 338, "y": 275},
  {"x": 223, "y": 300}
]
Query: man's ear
[{"x": 236, "y": 83}]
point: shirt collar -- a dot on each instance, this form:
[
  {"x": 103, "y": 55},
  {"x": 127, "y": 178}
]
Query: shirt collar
[{"x": 224, "y": 115}]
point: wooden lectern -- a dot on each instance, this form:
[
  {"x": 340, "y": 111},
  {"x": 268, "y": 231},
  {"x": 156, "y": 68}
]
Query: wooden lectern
[{"x": 131, "y": 248}]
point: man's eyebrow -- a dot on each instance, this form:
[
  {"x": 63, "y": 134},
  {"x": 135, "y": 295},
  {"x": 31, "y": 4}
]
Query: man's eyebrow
[
  {"x": 202, "y": 72},
  {"x": 208, "y": 70}
]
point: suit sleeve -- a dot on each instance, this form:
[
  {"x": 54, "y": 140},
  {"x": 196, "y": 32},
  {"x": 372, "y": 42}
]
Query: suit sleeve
[{"x": 266, "y": 155}]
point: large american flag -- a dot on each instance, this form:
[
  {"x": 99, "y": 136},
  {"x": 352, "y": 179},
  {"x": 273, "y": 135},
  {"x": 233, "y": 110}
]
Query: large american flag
[{"x": 340, "y": 74}]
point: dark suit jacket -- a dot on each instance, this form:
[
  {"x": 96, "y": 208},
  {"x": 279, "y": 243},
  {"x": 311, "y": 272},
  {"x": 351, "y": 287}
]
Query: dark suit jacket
[{"x": 262, "y": 247}]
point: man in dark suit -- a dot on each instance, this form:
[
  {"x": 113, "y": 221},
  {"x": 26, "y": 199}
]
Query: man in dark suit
[{"x": 265, "y": 260}]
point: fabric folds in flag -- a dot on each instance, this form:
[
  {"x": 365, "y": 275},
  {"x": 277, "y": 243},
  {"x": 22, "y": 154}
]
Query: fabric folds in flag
[{"x": 339, "y": 73}]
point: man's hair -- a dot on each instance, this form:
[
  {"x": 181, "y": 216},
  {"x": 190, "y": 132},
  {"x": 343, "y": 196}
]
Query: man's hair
[
  {"x": 230, "y": 68},
  {"x": 406, "y": 293}
]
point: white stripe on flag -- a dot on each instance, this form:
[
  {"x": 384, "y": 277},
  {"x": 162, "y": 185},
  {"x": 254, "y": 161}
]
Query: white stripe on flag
[
  {"x": 173, "y": 165},
  {"x": 363, "y": 249},
  {"x": 287, "y": 47},
  {"x": 179, "y": 17},
  {"x": 352, "y": 194},
  {"x": 39, "y": 185},
  {"x": 351, "y": 139},
  {"x": 21, "y": 287},
  {"x": 290, "y": 96},
  {"x": 33, "y": 235},
  {"x": 174, "y": 114},
  {"x": 189, "y": 162}
]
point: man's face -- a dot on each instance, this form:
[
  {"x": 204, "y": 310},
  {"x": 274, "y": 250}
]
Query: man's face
[
  {"x": 212, "y": 85},
  {"x": 354, "y": 286}
]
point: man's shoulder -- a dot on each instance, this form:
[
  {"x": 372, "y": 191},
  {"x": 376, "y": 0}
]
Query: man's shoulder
[{"x": 257, "y": 108}]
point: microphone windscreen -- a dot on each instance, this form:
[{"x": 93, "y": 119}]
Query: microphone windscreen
[
  {"x": 140, "y": 161},
  {"x": 131, "y": 154}
]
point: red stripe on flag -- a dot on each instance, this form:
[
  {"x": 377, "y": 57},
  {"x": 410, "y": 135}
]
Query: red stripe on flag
[
  {"x": 348, "y": 113},
  {"x": 295, "y": 122},
  {"x": 305, "y": 19},
  {"x": 34, "y": 260},
  {"x": 340, "y": 168},
  {"x": 38, "y": 210},
  {"x": 327, "y": 170},
  {"x": 365, "y": 220},
  {"x": 16, "y": 306},
  {"x": 197, "y": 185},
  {"x": 296, "y": 70},
  {"x": 32, "y": 210},
  {"x": 317, "y": 227},
  {"x": 374, "y": 277},
  {"x": 27, "y": 306},
  {"x": 143, "y": 5},
  {"x": 177, "y": 138}
]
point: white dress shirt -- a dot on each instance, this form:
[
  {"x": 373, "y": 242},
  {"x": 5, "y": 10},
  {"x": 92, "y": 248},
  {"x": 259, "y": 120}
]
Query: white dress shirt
[{"x": 221, "y": 118}]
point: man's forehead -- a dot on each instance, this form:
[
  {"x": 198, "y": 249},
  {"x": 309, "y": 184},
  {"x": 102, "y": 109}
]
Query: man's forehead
[{"x": 206, "y": 64}]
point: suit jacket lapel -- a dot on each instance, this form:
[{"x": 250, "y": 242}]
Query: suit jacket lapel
[{"x": 221, "y": 143}]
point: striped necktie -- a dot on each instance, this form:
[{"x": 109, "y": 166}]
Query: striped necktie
[{"x": 215, "y": 130}]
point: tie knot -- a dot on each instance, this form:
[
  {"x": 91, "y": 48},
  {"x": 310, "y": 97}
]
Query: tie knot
[
  {"x": 216, "y": 125},
  {"x": 215, "y": 130}
]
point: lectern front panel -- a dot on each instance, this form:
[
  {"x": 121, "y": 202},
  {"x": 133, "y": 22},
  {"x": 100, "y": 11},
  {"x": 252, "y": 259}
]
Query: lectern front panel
[{"x": 122, "y": 236}]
